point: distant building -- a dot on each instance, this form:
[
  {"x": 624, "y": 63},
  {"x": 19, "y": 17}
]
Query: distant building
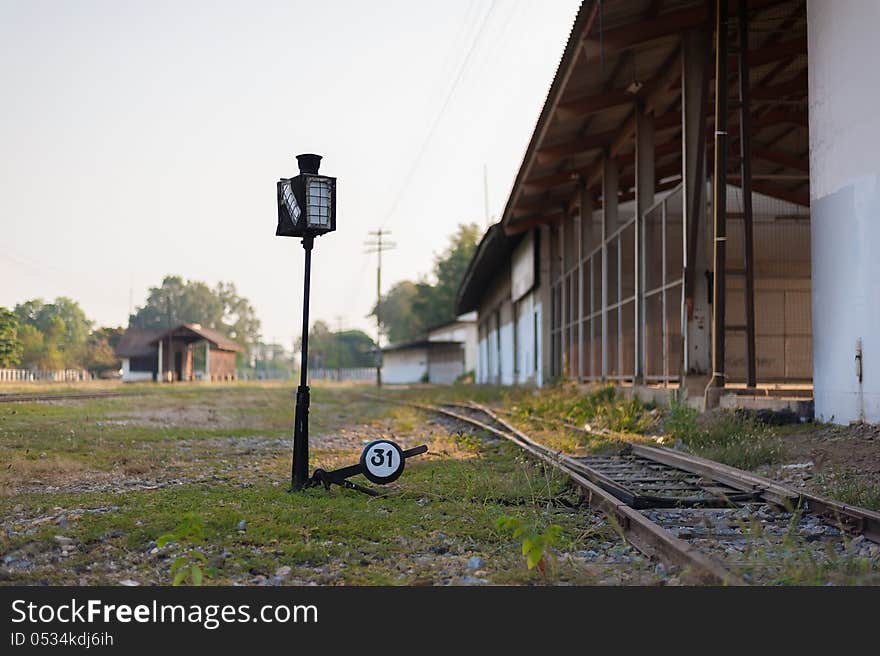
[
  {"x": 168, "y": 355},
  {"x": 447, "y": 352}
]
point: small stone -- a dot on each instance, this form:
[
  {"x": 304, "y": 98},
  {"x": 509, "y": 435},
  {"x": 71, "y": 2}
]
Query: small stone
[
  {"x": 242, "y": 526},
  {"x": 471, "y": 580},
  {"x": 475, "y": 562},
  {"x": 154, "y": 551},
  {"x": 63, "y": 540},
  {"x": 283, "y": 572},
  {"x": 130, "y": 583},
  {"x": 856, "y": 542}
]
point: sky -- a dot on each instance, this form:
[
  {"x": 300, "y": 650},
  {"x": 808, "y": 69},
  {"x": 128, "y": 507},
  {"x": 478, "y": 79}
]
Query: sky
[{"x": 142, "y": 139}]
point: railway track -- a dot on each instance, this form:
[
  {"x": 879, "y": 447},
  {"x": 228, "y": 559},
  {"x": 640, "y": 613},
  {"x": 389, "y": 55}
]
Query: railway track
[
  {"x": 26, "y": 397},
  {"x": 700, "y": 515}
]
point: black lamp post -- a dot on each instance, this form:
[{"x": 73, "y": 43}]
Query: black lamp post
[{"x": 306, "y": 209}]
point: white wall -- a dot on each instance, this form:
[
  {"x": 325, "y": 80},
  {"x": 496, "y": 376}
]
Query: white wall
[
  {"x": 130, "y": 376},
  {"x": 525, "y": 340},
  {"x": 523, "y": 355},
  {"x": 464, "y": 331},
  {"x": 492, "y": 352},
  {"x": 845, "y": 206},
  {"x": 404, "y": 366},
  {"x": 444, "y": 373}
]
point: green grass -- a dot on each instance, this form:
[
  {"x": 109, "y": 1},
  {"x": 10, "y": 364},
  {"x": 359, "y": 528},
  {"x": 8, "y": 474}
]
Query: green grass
[
  {"x": 442, "y": 511},
  {"x": 724, "y": 437},
  {"x": 601, "y": 408},
  {"x": 848, "y": 487}
]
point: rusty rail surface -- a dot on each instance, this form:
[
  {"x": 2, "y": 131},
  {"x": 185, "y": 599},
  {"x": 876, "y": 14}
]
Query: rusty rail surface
[
  {"x": 653, "y": 478},
  {"x": 27, "y": 397}
]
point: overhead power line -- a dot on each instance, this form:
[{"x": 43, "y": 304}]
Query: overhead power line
[{"x": 439, "y": 117}]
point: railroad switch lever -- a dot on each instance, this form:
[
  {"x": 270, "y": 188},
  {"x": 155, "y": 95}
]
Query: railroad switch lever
[{"x": 382, "y": 462}]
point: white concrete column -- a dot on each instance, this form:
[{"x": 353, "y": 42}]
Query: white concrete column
[
  {"x": 645, "y": 188},
  {"x": 695, "y": 68},
  {"x": 159, "y": 372},
  {"x": 845, "y": 208}
]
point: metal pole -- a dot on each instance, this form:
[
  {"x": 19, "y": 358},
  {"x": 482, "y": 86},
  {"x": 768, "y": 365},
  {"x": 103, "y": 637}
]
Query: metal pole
[
  {"x": 300, "y": 469},
  {"x": 720, "y": 194},
  {"x": 745, "y": 135},
  {"x": 379, "y": 310}
]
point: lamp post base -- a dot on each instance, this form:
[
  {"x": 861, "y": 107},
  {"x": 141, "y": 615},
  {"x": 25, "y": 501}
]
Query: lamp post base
[{"x": 300, "y": 473}]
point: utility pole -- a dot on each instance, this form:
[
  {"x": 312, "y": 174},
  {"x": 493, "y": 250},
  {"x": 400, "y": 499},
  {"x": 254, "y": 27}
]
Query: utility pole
[{"x": 377, "y": 246}]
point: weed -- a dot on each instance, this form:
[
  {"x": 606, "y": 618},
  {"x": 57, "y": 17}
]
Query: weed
[
  {"x": 725, "y": 437},
  {"x": 793, "y": 560},
  {"x": 848, "y": 487},
  {"x": 536, "y": 547},
  {"x": 188, "y": 534}
]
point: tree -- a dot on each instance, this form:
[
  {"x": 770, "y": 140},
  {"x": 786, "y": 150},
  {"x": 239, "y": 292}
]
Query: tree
[
  {"x": 435, "y": 303},
  {"x": 10, "y": 343},
  {"x": 239, "y": 318},
  {"x": 100, "y": 353},
  {"x": 344, "y": 349},
  {"x": 398, "y": 322},
  {"x": 64, "y": 329},
  {"x": 33, "y": 346},
  {"x": 178, "y": 301}
]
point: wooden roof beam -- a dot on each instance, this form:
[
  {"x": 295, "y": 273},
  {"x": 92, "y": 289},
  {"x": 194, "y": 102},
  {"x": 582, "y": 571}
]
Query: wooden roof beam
[
  {"x": 782, "y": 159},
  {"x": 575, "y": 146},
  {"x": 529, "y": 222},
  {"x": 673, "y": 22},
  {"x": 593, "y": 104},
  {"x": 796, "y": 85},
  {"x": 571, "y": 175},
  {"x": 775, "y": 191}
]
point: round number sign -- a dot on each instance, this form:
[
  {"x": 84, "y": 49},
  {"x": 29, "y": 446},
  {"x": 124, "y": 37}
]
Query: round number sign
[{"x": 382, "y": 461}]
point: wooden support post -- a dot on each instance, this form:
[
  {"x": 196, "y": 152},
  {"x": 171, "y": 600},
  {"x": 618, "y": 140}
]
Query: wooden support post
[
  {"x": 720, "y": 195},
  {"x": 745, "y": 125}
]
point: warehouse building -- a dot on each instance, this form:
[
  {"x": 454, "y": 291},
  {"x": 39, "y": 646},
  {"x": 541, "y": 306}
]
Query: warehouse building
[{"x": 617, "y": 252}]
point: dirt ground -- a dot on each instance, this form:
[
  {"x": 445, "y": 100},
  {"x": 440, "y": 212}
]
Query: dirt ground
[{"x": 815, "y": 454}]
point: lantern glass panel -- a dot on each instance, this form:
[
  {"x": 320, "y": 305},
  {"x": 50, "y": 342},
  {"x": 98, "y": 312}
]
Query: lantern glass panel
[
  {"x": 290, "y": 201},
  {"x": 318, "y": 199}
]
